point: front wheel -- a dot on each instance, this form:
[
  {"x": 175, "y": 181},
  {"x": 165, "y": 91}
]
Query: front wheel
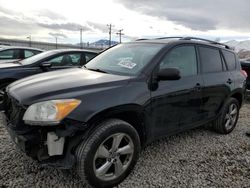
[
  {"x": 227, "y": 121},
  {"x": 109, "y": 154}
]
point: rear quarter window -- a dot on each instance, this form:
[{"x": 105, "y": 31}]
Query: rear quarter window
[
  {"x": 210, "y": 60},
  {"x": 28, "y": 53},
  {"x": 230, "y": 59},
  {"x": 89, "y": 56}
]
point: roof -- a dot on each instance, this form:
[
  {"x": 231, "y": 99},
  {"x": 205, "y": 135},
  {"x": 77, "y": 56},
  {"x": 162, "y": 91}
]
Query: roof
[
  {"x": 75, "y": 50},
  {"x": 2, "y": 47}
]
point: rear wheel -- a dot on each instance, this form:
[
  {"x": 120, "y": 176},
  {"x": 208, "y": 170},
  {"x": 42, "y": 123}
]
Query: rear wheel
[
  {"x": 229, "y": 117},
  {"x": 109, "y": 154}
]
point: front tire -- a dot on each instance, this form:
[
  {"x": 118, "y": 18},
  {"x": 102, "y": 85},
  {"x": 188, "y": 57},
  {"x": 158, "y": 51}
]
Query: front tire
[
  {"x": 2, "y": 90},
  {"x": 227, "y": 121},
  {"x": 109, "y": 154}
]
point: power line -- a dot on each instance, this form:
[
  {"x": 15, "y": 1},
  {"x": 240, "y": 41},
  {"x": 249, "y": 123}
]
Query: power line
[
  {"x": 120, "y": 34},
  {"x": 110, "y": 30}
]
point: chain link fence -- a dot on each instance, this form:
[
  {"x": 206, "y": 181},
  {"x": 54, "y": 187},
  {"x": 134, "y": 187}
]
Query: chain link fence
[{"x": 45, "y": 45}]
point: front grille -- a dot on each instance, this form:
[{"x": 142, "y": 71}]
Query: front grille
[
  {"x": 14, "y": 113},
  {"x": 12, "y": 110}
]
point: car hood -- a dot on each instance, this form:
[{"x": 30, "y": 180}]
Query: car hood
[
  {"x": 9, "y": 65},
  {"x": 8, "y": 60},
  {"x": 245, "y": 63},
  {"x": 60, "y": 84}
]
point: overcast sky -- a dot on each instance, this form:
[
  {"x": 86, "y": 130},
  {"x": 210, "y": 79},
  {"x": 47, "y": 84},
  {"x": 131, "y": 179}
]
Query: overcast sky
[{"x": 45, "y": 19}]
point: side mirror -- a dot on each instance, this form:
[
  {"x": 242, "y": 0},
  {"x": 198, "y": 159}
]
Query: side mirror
[
  {"x": 169, "y": 74},
  {"x": 45, "y": 65}
]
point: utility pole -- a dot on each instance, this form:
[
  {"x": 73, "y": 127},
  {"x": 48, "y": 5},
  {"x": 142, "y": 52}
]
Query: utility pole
[
  {"x": 56, "y": 41},
  {"x": 120, "y": 34},
  {"x": 110, "y": 31},
  {"x": 29, "y": 37},
  {"x": 81, "y": 38}
]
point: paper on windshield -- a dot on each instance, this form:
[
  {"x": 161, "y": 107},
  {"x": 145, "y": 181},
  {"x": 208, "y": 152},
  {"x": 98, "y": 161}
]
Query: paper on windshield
[{"x": 127, "y": 62}]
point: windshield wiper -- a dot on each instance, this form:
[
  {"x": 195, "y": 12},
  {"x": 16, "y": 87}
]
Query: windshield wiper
[{"x": 97, "y": 70}]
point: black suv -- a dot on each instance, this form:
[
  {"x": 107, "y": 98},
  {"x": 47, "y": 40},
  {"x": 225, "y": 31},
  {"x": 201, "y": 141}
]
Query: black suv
[{"x": 97, "y": 118}]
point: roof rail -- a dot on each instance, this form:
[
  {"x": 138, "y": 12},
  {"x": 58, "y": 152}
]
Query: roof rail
[
  {"x": 206, "y": 40},
  {"x": 161, "y": 38},
  {"x": 169, "y": 38},
  {"x": 190, "y": 38},
  {"x": 141, "y": 39}
]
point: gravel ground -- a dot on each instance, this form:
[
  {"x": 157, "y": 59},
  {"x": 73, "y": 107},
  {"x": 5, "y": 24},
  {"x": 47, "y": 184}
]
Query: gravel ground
[{"x": 197, "y": 158}]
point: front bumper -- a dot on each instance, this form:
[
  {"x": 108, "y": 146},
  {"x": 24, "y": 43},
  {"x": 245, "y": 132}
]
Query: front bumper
[
  {"x": 34, "y": 143},
  {"x": 26, "y": 142}
]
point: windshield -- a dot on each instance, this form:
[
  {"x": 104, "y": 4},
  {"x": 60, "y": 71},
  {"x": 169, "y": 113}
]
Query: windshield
[
  {"x": 125, "y": 59},
  {"x": 36, "y": 58}
]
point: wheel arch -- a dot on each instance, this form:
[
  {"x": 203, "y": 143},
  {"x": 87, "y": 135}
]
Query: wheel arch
[
  {"x": 131, "y": 113},
  {"x": 7, "y": 80},
  {"x": 239, "y": 96}
]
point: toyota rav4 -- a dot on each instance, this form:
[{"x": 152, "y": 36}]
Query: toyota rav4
[{"x": 97, "y": 118}]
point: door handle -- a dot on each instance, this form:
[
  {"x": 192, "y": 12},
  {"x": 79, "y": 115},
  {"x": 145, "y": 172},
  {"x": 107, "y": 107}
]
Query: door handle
[
  {"x": 229, "y": 81},
  {"x": 197, "y": 87}
]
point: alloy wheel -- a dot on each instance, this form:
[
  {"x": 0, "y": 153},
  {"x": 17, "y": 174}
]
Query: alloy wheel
[
  {"x": 113, "y": 156},
  {"x": 231, "y": 116}
]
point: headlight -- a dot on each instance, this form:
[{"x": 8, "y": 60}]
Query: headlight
[{"x": 49, "y": 112}]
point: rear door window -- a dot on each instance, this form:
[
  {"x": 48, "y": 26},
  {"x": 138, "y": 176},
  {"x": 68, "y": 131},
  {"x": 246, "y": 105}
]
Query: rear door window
[
  {"x": 210, "y": 60},
  {"x": 230, "y": 59}
]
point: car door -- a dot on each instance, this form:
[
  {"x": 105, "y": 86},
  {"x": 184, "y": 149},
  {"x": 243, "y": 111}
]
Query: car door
[
  {"x": 177, "y": 104},
  {"x": 231, "y": 63},
  {"x": 218, "y": 81},
  {"x": 65, "y": 60}
]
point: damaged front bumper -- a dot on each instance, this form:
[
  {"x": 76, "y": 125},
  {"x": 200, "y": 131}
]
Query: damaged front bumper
[{"x": 51, "y": 146}]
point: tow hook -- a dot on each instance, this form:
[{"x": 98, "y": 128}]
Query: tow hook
[{"x": 55, "y": 144}]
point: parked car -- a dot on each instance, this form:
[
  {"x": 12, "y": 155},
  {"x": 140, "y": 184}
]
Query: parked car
[
  {"x": 97, "y": 118},
  {"x": 245, "y": 64},
  {"x": 43, "y": 62},
  {"x": 11, "y": 54}
]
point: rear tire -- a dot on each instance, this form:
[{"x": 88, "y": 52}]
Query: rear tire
[
  {"x": 109, "y": 154},
  {"x": 227, "y": 121}
]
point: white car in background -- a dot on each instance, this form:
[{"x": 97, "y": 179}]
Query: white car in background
[{"x": 11, "y": 53}]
